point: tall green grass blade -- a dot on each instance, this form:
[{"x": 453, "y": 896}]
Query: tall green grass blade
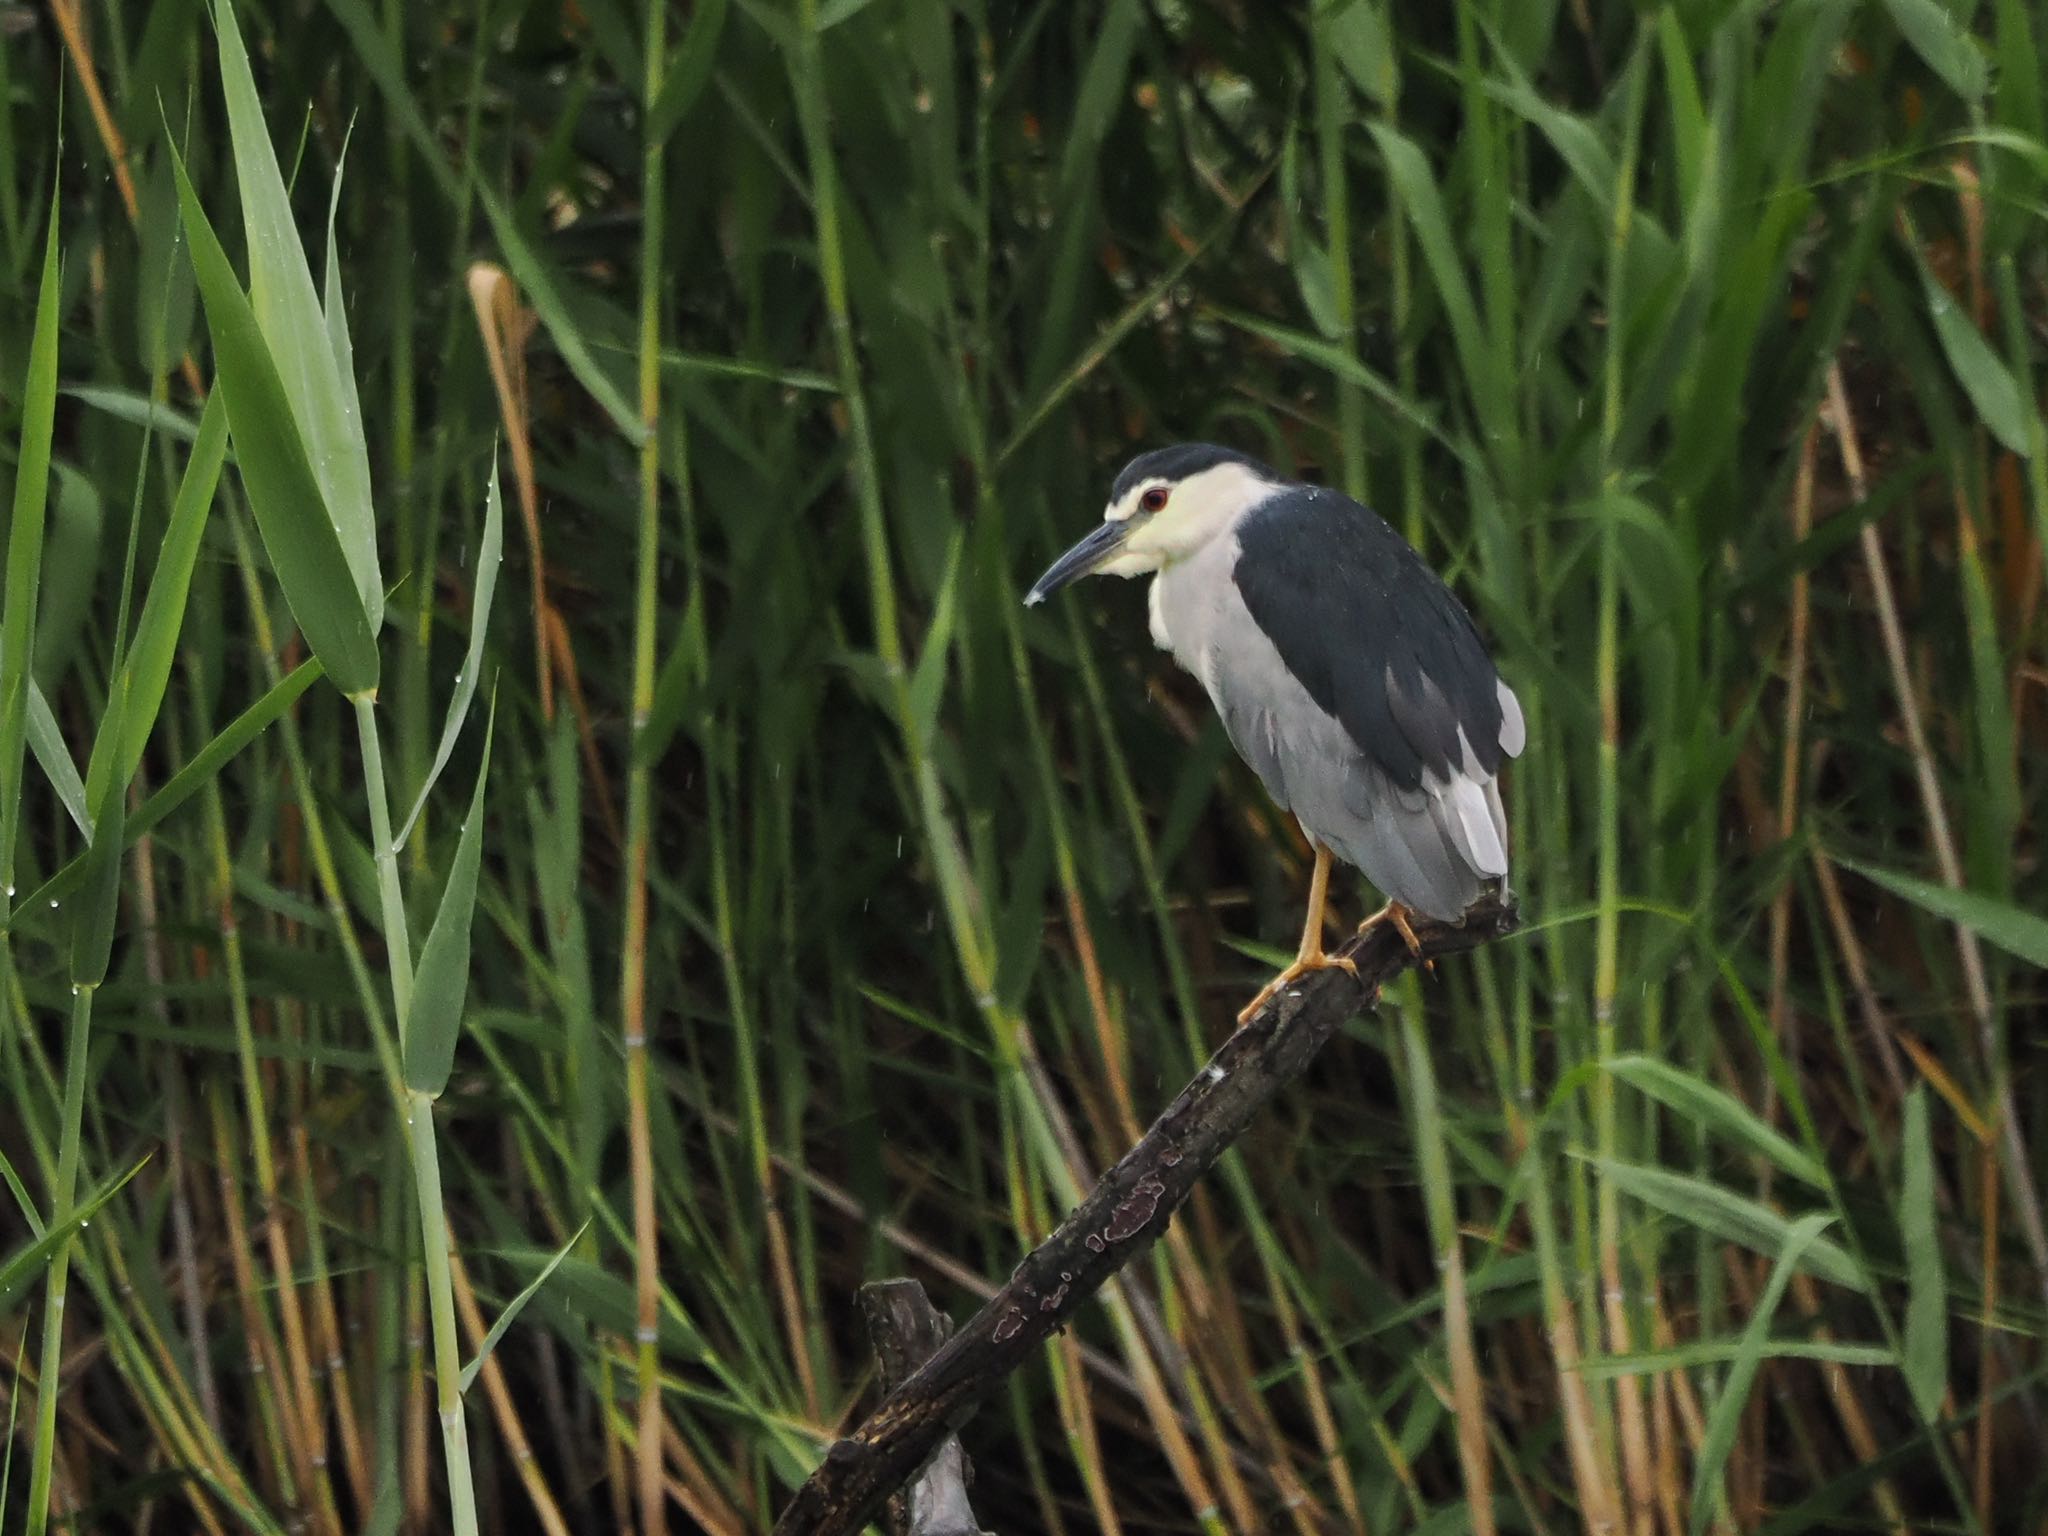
[
  {"x": 518, "y": 1304},
  {"x": 2019, "y": 103},
  {"x": 1926, "y": 1331},
  {"x": 440, "y": 988},
  {"x": 307, "y": 346},
  {"x": 1423, "y": 203},
  {"x": 1726, "y": 1418},
  {"x": 688, "y": 71},
  {"x": 2012, "y": 928},
  {"x": 25, "y": 554},
  {"x": 146, "y": 667},
  {"x": 490, "y": 555},
  {"x": 302, "y": 539},
  {"x": 164, "y": 295},
  {"x": 1688, "y": 1357},
  {"x": 1713, "y": 1110}
]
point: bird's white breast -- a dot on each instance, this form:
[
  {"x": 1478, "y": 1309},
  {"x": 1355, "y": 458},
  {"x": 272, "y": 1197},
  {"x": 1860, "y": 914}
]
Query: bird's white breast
[{"x": 1187, "y": 606}]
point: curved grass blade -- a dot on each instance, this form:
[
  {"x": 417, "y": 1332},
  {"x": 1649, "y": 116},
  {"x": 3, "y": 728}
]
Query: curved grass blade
[
  {"x": 2013, "y": 929},
  {"x": 307, "y": 345},
  {"x": 304, "y": 544},
  {"x": 518, "y": 1304},
  {"x": 489, "y": 556},
  {"x": 25, "y": 551},
  {"x": 137, "y": 410},
  {"x": 1735, "y": 1218},
  {"x": 440, "y": 987},
  {"x": 19, "y": 1271},
  {"x": 181, "y": 786},
  {"x": 1715, "y": 1110}
]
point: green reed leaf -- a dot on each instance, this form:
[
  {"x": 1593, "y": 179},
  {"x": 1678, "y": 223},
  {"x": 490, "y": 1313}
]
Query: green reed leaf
[
  {"x": 308, "y": 346},
  {"x": 440, "y": 988},
  {"x": 303, "y": 541}
]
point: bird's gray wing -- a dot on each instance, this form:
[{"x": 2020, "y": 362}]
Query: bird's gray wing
[{"x": 1418, "y": 720}]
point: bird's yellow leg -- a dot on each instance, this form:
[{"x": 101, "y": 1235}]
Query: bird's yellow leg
[
  {"x": 1310, "y": 956},
  {"x": 1396, "y": 914}
]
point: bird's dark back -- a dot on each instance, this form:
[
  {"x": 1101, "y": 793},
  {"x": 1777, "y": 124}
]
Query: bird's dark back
[{"x": 1373, "y": 633}]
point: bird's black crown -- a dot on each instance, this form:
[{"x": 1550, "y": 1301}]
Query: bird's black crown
[{"x": 1179, "y": 461}]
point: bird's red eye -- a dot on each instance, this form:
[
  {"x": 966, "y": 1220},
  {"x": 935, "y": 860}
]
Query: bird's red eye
[{"x": 1154, "y": 500}]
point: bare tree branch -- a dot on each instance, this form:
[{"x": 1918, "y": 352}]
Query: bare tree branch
[
  {"x": 906, "y": 1330},
  {"x": 1122, "y": 1217}
]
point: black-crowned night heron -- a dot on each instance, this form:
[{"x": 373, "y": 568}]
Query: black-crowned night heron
[{"x": 1346, "y": 673}]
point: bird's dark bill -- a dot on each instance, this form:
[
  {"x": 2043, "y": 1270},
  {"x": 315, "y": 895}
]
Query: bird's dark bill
[{"x": 1100, "y": 546}]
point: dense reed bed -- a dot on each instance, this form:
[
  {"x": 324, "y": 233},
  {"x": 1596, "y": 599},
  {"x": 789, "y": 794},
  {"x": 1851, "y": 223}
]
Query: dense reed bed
[{"x": 469, "y": 1029}]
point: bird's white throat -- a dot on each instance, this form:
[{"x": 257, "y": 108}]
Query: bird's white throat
[{"x": 1200, "y": 509}]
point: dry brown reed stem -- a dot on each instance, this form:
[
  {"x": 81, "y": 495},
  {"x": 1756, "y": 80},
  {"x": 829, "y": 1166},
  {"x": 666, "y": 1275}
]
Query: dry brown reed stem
[
  {"x": 1848, "y": 1405},
  {"x": 694, "y": 1488},
  {"x": 1947, "y": 861},
  {"x": 1155, "y": 1358},
  {"x": 505, "y": 324},
  {"x": 1108, "y": 1038},
  {"x": 1321, "y": 1420},
  {"x": 1875, "y": 1022},
  {"x": 355, "y": 1459},
  {"x": 1468, "y": 1401},
  {"x": 1119, "y": 1220},
  {"x": 1584, "y": 1451},
  {"x": 297, "y": 1397},
  {"x": 586, "y": 734},
  {"x": 184, "y": 1246},
  {"x": 288, "y": 1482},
  {"x": 71, "y": 25},
  {"x": 1187, "y": 1268},
  {"x": 1077, "y": 1416},
  {"x": 1987, "y": 1341},
  {"x": 309, "y": 1423},
  {"x": 1791, "y": 761},
  {"x": 502, "y": 1407}
]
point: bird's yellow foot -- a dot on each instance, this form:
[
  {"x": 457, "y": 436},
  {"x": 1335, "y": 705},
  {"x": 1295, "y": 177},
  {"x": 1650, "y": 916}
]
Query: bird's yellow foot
[
  {"x": 1310, "y": 959},
  {"x": 1393, "y": 912}
]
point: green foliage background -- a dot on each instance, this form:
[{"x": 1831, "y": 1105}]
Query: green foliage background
[{"x": 1699, "y": 344}]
